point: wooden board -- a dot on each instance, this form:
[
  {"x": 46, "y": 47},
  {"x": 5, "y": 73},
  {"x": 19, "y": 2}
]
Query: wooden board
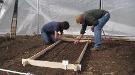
[
  {"x": 43, "y": 51},
  {"x": 49, "y": 64},
  {"x": 76, "y": 66},
  {"x": 82, "y": 54},
  {"x": 72, "y": 39}
]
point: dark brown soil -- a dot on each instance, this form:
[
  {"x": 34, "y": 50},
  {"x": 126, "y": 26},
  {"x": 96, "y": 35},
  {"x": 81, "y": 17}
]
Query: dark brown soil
[
  {"x": 116, "y": 58},
  {"x": 64, "y": 51}
]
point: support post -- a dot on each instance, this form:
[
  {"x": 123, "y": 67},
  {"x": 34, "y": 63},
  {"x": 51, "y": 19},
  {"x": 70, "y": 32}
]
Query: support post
[{"x": 14, "y": 21}]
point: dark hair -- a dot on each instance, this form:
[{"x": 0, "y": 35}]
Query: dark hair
[
  {"x": 1, "y": 1},
  {"x": 64, "y": 25}
]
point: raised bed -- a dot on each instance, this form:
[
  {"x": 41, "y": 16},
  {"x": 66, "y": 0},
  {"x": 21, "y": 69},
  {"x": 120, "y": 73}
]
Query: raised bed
[{"x": 65, "y": 56}]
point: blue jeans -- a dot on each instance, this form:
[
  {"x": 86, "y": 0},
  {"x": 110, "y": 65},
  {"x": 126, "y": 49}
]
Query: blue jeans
[
  {"x": 47, "y": 38},
  {"x": 98, "y": 30}
]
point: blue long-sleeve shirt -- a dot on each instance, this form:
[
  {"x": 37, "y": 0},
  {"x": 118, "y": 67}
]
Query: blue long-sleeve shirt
[{"x": 51, "y": 27}]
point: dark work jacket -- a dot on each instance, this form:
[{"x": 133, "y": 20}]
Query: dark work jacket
[{"x": 91, "y": 18}]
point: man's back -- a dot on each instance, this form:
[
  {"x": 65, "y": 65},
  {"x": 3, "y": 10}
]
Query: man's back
[
  {"x": 96, "y": 13},
  {"x": 93, "y": 15},
  {"x": 50, "y": 27}
]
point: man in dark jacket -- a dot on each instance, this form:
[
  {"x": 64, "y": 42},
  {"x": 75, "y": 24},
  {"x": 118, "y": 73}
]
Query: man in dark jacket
[
  {"x": 95, "y": 18},
  {"x": 50, "y": 31}
]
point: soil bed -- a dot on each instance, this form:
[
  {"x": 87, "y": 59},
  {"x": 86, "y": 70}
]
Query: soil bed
[
  {"x": 63, "y": 51},
  {"x": 116, "y": 58}
]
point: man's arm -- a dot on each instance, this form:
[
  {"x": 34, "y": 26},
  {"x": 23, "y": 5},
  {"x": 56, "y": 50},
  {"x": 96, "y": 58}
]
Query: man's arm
[
  {"x": 92, "y": 28},
  {"x": 61, "y": 32},
  {"x": 82, "y": 32},
  {"x": 84, "y": 26},
  {"x": 79, "y": 37},
  {"x": 56, "y": 35}
]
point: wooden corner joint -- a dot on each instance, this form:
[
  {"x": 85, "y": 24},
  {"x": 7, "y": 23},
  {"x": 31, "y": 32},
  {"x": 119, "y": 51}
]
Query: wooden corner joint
[{"x": 25, "y": 62}]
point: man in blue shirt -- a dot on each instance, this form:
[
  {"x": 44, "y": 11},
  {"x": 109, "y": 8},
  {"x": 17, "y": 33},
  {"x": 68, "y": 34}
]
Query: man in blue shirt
[
  {"x": 50, "y": 31},
  {"x": 95, "y": 18}
]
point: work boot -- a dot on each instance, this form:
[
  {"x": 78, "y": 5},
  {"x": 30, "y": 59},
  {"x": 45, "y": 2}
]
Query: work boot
[{"x": 95, "y": 49}]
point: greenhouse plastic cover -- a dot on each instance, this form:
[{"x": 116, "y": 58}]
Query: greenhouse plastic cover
[
  {"x": 6, "y": 13},
  {"x": 33, "y": 14}
]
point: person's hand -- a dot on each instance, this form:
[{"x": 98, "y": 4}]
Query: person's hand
[
  {"x": 76, "y": 41},
  {"x": 92, "y": 28},
  {"x": 58, "y": 37}
]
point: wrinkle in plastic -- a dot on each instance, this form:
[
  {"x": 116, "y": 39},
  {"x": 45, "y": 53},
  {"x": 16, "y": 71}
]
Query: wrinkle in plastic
[
  {"x": 6, "y": 14},
  {"x": 33, "y": 14}
]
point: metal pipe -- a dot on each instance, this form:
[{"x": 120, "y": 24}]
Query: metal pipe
[
  {"x": 15, "y": 72},
  {"x": 100, "y": 4}
]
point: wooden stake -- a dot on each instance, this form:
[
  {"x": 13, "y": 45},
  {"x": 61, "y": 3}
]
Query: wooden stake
[{"x": 13, "y": 28}]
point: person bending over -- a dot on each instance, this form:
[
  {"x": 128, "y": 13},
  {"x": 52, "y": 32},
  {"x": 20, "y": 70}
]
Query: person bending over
[
  {"x": 96, "y": 18},
  {"x": 52, "y": 31}
]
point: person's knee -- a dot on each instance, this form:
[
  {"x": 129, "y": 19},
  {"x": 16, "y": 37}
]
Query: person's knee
[
  {"x": 48, "y": 42},
  {"x": 97, "y": 28}
]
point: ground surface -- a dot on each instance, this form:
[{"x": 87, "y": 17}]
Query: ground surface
[{"x": 116, "y": 58}]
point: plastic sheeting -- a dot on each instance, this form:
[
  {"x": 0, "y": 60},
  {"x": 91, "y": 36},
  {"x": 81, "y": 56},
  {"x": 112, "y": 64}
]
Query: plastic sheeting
[
  {"x": 6, "y": 13},
  {"x": 122, "y": 17},
  {"x": 27, "y": 20},
  {"x": 33, "y": 14}
]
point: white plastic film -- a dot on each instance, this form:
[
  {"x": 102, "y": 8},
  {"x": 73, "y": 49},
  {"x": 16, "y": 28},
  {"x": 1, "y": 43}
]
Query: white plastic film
[
  {"x": 33, "y": 14},
  {"x": 122, "y": 17},
  {"x": 27, "y": 20},
  {"x": 6, "y": 14}
]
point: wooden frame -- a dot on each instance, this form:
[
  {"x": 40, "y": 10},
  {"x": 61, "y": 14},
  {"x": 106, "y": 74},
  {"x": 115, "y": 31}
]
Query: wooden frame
[
  {"x": 39, "y": 63},
  {"x": 72, "y": 39}
]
